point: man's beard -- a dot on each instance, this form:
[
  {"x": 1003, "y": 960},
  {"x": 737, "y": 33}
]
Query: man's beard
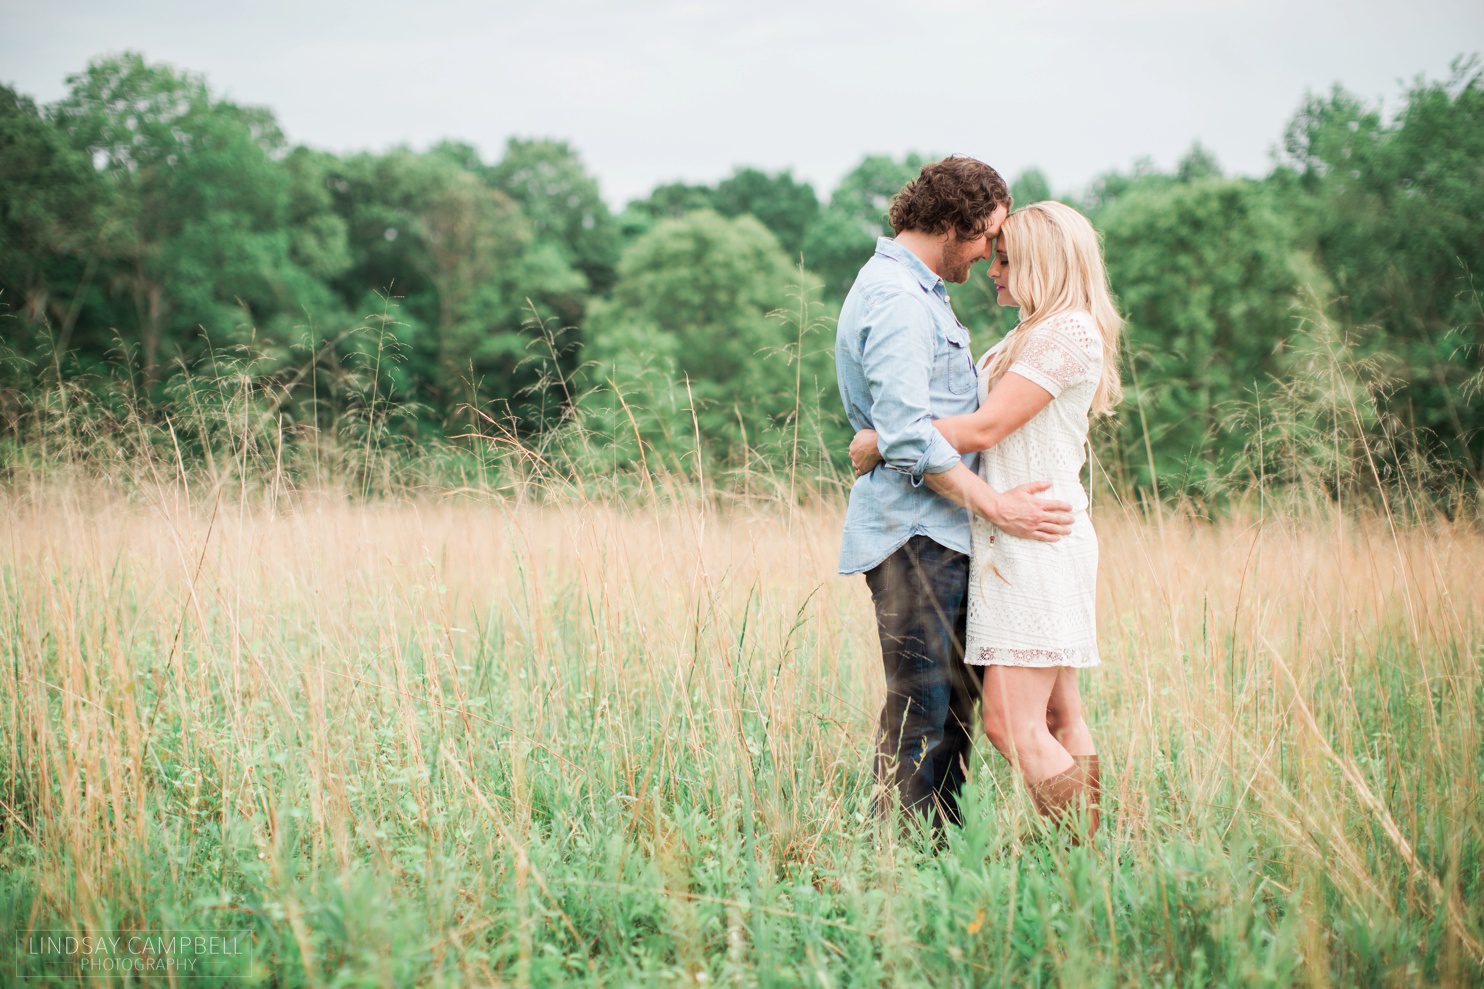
[{"x": 956, "y": 264}]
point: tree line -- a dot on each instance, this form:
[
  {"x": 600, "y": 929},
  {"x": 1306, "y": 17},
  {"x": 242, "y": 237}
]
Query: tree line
[{"x": 1284, "y": 328}]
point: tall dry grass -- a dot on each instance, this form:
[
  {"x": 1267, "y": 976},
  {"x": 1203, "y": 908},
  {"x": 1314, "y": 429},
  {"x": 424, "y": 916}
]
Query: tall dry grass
[
  {"x": 441, "y": 715},
  {"x": 472, "y": 739}
]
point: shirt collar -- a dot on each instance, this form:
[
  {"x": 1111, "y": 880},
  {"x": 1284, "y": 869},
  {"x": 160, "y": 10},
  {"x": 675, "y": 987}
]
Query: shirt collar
[{"x": 926, "y": 277}]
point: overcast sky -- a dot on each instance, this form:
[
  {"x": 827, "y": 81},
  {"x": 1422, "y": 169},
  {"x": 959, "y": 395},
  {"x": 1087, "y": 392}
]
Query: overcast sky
[{"x": 651, "y": 91}]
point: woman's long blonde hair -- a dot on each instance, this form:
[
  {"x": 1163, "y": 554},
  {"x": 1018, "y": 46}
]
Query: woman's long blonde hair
[{"x": 1056, "y": 266}]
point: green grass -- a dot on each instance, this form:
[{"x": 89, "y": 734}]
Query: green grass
[{"x": 439, "y": 742}]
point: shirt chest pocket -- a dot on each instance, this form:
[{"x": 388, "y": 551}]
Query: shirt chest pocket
[{"x": 953, "y": 365}]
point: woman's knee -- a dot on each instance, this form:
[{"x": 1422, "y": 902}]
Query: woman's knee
[
  {"x": 998, "y": 726},
  {"x": 1062, "y": 719},
  {"x": 1011, "y": 731},
  {"x": 993, "y": 720}
]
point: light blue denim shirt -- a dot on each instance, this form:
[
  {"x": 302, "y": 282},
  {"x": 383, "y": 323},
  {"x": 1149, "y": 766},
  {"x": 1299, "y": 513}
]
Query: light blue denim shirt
[{"x": 902, "y": 360}]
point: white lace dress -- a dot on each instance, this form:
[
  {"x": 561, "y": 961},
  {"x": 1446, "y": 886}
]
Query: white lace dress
[{"x": 1033, "y": 603}]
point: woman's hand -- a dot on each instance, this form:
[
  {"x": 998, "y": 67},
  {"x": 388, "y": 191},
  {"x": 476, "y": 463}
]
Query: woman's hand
[{"x": 863, "y": 453}]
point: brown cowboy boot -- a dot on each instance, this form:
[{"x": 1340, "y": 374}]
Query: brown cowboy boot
[
  {"x": 1057, "y": 796},
  {"x": 1094, "y": 774}
]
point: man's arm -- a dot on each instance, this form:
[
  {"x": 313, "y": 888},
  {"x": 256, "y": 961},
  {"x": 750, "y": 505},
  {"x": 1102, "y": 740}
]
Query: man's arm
[
  {"x": 897, "y": 357},
  {"x": 1017, "y": 511}
]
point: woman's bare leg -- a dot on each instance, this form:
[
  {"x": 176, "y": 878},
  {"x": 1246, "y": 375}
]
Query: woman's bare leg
[
  {"x": 1015, "y": 704},
  {"x": 1067, "y": 725},
  {"x": 1064, "y": 715}
]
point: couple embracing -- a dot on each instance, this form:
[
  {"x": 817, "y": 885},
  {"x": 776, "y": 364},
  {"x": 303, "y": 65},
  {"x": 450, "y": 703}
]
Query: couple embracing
[{"x": 968, "y": 516}]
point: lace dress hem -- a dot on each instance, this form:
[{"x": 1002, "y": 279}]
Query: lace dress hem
[{"x": 1079, "y": 658}]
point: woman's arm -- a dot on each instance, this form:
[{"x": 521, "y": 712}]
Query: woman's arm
[{"x": 1012, "y": 403}]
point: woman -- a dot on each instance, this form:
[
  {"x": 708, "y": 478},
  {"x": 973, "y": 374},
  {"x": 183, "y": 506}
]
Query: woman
[{"x": 1032, "y": 604}]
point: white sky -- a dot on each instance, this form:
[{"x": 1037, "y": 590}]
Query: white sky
[{"x": 658, "y": 90}]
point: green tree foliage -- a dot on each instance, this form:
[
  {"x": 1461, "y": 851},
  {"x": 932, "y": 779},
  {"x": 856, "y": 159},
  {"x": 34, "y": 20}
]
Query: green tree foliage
[
  {"x": 1392, "y": 210},
  {"x": 866, "y": 191},
  {"x": 49, "y": 218},
  {"x": 1030, "y": 186},
  {"x": 1207, "y": 277},
  {"x": 843, "y": 235},
  {"x": 668, "y": 201},
  {"x": 496, "y": 278},
  {"x": 550, "y": 184},
  {"x": 468, "y": 270},
  {"x": 1310, "y": 314},
  {"x": 1198, "y": 163},
  {"x": 197, "y": 226},
  {"x": 688, "y": 329},
  {"x": 320, "y": 239},
  {"x": 783, "y": 205}
]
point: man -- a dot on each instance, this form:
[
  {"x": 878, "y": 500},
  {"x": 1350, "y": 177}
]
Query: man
[{"x": 903, "y": 360}]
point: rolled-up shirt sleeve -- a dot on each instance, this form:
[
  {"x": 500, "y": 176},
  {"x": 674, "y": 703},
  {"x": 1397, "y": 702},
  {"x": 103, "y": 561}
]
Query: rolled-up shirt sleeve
[{"x": 897, "y": 345}]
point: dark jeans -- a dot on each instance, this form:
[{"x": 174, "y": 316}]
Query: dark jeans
[{"x": 927, "y": 724}]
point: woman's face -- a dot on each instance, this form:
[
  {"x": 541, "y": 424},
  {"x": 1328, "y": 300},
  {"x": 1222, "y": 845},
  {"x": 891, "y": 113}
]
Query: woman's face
[{"x": 999, "y": 273}]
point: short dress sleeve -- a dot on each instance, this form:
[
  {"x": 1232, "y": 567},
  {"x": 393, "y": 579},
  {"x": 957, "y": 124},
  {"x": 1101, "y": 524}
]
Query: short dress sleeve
[{"x": 1062, "y": 351}]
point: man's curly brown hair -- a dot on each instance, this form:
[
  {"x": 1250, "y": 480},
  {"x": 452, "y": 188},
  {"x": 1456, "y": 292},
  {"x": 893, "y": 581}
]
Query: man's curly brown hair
[{"x": 958, "y": 192}]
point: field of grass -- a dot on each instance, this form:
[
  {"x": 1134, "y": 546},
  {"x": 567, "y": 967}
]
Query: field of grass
[{"x": 459, "y": 740}]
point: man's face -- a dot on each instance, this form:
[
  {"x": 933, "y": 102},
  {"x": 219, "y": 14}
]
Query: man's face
[{"x": 959, "y": 253}]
